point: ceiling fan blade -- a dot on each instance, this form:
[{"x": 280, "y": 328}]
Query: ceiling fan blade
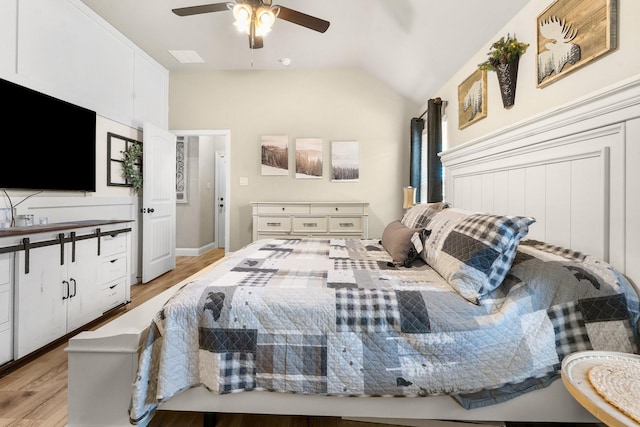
[
  {"x": 308, "y": 21},
  {"x": 204, "y": 8}
]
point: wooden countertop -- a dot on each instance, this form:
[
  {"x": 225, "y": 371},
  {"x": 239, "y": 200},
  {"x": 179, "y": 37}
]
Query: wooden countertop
[{"x": 58, "y": 226}]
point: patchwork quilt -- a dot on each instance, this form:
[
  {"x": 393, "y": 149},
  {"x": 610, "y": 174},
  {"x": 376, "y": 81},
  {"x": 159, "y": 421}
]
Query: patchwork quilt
[{"x": 337, "y": 317}]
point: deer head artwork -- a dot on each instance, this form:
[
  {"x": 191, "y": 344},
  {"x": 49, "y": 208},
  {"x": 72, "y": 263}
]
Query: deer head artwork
[{"x": 560, "y": 51}]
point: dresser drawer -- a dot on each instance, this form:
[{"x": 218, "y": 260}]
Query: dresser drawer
[
  {"x": 283, "y": 209},
  {"x": 114, "y": 294},
  {"x": 111, "y": 245},
  {"x": 114, "y": 268},
  {"x": 274, "y": 223},
  {"x": 344, "y": 224},
  {"x": 327, "y": 210},
  {"x": 310, "y": 224}
]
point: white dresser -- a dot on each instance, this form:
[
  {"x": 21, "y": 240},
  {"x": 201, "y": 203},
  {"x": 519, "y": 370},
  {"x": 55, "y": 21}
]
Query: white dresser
[{"x": 310, "y": 219}]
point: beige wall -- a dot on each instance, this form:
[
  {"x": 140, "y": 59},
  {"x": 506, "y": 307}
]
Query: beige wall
[
  {"x": 345, "y": 104},
  {"x": 615, "y": 66}
]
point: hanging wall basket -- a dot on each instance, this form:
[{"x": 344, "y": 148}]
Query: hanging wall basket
[{"x": 507, "y": 76}]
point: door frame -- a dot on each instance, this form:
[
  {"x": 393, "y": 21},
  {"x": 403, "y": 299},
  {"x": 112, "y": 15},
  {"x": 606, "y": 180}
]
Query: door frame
[{"x": 226, "y": 133}]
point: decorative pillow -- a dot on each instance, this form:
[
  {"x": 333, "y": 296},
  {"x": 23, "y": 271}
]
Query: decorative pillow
[
  {"x": 396, "y": 240},
  {"x": 418, "y": 215},
  {"x": 473, "y": 251}
]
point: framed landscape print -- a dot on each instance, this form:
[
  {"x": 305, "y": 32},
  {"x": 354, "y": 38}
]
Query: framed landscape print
[
  {"x": 274, "y": 156},
  {"x": 309, "y": 158},
  {"x": 572, "y": 33},
  {"x": 345, "y": 163},
  {"x": 472, "y": 99}
]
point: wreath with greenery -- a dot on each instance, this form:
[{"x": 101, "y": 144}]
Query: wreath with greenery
[
  {"x": 503, "y": 51},
  {"x": 131, "y": 165}
]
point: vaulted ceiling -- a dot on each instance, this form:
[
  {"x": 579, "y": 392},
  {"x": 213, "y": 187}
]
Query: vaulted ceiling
[{"x": 414, "y": 46}]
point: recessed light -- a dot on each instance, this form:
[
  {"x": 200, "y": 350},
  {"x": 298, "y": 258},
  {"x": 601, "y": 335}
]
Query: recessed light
[
  {"x": 285, "y": 61},
  {"x": 187, "y": 56}
]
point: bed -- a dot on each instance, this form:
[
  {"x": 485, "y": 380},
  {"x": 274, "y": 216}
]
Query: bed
[
  {"x": 571, "y": 171},
  {"x": 339, "y": 318}
]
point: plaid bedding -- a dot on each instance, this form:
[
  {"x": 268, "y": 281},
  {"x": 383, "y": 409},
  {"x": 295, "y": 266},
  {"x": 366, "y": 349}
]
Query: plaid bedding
[{"x": 337, "y": 317}]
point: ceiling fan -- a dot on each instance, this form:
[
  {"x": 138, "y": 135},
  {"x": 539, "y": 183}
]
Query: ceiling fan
[{"x": 255, "y": 17}]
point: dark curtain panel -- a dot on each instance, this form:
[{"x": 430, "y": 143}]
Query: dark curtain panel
[
  {"x": 434, "y": 146},
  {"x": 417, "y": 126}
]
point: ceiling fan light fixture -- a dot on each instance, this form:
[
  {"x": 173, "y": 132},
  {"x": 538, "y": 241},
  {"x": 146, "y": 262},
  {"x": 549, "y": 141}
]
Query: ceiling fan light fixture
[
  {"x": 243, "y": 15},
  {"x": 264, "y": 19}
]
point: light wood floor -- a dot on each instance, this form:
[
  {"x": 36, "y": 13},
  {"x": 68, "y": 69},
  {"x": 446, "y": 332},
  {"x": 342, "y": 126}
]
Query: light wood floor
[{"x": 34, "y": 394}]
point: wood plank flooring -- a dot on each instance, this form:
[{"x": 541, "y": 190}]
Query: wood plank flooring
[{"x": 34, "y": 393}]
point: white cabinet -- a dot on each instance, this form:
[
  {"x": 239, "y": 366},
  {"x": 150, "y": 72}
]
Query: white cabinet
[
  {"x": 65, "y": 280},
  {"x": 6, "y": 312},
  {"x": 57, "y": 295},
  {"x": 114, "y": 266},
  {"x": 310, "y": 219}
]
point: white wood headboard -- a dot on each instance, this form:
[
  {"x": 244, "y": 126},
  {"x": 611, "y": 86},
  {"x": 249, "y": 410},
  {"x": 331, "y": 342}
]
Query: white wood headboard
[{"x": 576, "y": 169}]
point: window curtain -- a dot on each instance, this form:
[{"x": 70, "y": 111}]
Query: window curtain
[
  {"x": 433, "y": 145},
  {"x": 415, "y": 171}
]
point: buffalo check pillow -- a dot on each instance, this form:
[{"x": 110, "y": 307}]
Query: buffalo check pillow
[
  {"x": 473, "y": 251},
  {"x": 418, "y": 215}
]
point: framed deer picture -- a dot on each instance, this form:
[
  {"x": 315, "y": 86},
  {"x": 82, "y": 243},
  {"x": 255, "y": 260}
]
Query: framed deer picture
[{"x": 572, "y": 33}]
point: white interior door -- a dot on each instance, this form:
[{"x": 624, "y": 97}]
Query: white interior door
[
  {"x": 158, "y": 202},
  {"x": 221, "y": 198}
]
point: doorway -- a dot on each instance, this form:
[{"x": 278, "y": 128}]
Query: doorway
[
  {"x": 204, "y": 166},
  {"x": 221, "y": 199}
]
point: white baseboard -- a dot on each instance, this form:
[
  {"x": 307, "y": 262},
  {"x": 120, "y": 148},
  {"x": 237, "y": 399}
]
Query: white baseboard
[{"x": 196, "y": 251}]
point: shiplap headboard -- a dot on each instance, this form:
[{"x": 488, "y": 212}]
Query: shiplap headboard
[{"x": 575, "y": 169}]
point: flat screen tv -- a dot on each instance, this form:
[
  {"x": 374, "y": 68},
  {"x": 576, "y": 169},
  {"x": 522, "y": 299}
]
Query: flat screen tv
[{"x": 47, "y": 143}]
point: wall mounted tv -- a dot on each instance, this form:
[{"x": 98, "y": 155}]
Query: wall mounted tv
[{"x": 47, "y": 143}]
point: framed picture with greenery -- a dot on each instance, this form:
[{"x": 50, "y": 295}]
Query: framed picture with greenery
[
  {"x": 472, "y": 99},
  {"x": 572, "y": 33},
  {"x": 124, "y": 161}
]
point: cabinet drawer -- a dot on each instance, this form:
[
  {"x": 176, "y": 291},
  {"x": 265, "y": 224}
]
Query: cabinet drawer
[
  {"x": 114, "y": 268},
  {"x": 353, "y": 209},
  {"x": 310, "y": 224},
  {"x": 276, "y": 223},
  {"x": 345, "y": 224},
  {"x": 114, "y": 294},
  {"x": 111, "y": 245},
  {"x": 283, "y": 209}
]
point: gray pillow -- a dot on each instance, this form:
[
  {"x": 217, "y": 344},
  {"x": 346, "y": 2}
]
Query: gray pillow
[{"x": 396, "y": 240}]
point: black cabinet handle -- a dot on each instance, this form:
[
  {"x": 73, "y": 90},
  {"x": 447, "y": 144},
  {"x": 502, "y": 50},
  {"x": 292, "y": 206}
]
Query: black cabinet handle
[
  {"x": 66, "y": 290},
  {"x": 75, "y": 287}
]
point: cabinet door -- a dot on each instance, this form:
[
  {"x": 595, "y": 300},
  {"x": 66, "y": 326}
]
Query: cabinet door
[
  {"x": 85, "y": 298},
  {"x": 6, "y": 314},
  {"x": 41, "y": 309}
]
